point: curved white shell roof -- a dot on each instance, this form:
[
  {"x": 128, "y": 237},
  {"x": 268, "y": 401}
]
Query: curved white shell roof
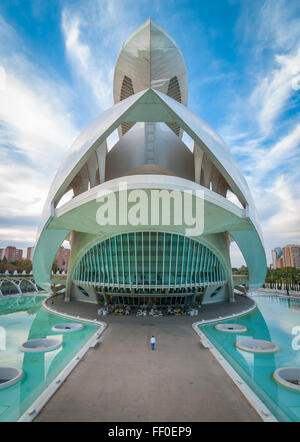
[
  {"x": 152, "y": 106},
  {"x": 150, "y": 58}
]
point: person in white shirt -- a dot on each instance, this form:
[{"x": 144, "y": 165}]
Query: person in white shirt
[{"x": 152, "y": 342}]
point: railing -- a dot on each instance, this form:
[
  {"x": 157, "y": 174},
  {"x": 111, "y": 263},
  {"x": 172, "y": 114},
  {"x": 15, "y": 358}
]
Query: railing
[
  {"x": 17, "y": 285},
  {"x": 282, "y": 286}
]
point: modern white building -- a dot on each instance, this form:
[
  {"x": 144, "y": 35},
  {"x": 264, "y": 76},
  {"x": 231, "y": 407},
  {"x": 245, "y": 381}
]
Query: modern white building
[{"x": 150, "y": 219}]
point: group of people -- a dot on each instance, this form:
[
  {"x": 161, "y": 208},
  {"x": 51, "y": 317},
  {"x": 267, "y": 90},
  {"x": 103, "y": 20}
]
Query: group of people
[{"x": 144, "y": 310}]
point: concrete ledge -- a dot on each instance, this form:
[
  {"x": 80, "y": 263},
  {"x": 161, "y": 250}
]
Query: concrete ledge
[
  {"x": 289, "y": 377},
  {"x": 257, "y": 346},
  {"x": 32, "y": 412},
  {"x": 67, "y": 327},
  {"x": 230, "y": 328},
  {"x": 10, "y": 376},
  {"x": 40, "y": 345},
  {"x": 247, "y": 392}
]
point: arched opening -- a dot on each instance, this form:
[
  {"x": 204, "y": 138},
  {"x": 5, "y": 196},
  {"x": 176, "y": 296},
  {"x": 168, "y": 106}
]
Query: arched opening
[
  {"x": 154, "y": 265},
  {"x": 9, "y": 288}
]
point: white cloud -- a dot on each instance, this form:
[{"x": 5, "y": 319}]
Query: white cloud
[
  {"x": 35, "y": 131},
  {"x": 23, "y": 188},
  {"x": 271, "y": 96},
  {"x": 15, "y": 234},
  {"x": 281, "y": 152},
  {"x": 96, "y": 70},
  {"x": 285, "y": 223},
  {"x": 39, "y": 129},
  {"x": 94, "y": 32},
  {"x": 236, "y": 256}
]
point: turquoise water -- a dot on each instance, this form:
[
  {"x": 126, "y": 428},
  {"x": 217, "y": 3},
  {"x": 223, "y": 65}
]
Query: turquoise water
[
  {"x": 278, "y": 320},
  {"x": 23, "y": 318}
]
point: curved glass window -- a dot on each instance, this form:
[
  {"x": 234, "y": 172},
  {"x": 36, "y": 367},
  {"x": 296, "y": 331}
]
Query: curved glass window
[{"x": 149, "y": 260}]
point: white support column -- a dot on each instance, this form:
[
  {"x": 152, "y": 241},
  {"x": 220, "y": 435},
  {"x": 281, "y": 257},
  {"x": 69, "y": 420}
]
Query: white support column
[
  {"x": 198, "y": 158},
  {"x": 128, "y": 254},
  {"x": 170, "y": 261},
  {"x": 101, "y": 155},
  {"x": 80, "y": 183},
  {"x": 219, "y": 184},
  {"x": 122, "y": 259},
  {"x": 112, "y": 263},
  {"x": 92, "y": 169},
  {"x": 150, "y": 143},
  {"x": 206, "y": 171},
  {"x": 176, "y": 265},
  {"x": 135, "y": 260},
  {"x": 192, "y": 263},
  {"x": 117, "y": 262}
]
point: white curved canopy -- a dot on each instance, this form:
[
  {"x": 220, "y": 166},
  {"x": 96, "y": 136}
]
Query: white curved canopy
[{"x": 150, "y": 106}]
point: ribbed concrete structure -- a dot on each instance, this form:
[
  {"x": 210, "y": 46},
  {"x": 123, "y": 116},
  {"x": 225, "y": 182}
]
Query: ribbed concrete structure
[{"x": 151, "y": 257}]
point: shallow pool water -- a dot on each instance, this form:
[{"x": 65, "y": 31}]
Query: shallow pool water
[
  {"x": 278, "y": 320},
  {"x": 21, "y": 319}
]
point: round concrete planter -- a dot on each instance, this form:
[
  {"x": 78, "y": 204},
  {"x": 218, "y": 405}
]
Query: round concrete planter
[
  {"x": 257, "y": 346},
  {"x": 289, "y": 377},
  {"x": 231, "y": 328},
  {"x": 10, "y": 376},
  {"x": 40, "y": 345},
  {"x": 67, "y": 327}
]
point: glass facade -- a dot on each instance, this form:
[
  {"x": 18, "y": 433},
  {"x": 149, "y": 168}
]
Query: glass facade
[{"x": 149, "y": 260}]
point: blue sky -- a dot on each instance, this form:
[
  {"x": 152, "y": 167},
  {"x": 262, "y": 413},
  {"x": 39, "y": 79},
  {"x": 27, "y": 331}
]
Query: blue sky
[{"x": 56, "y": 68}]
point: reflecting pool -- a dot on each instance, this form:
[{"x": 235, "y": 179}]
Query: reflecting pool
[
  {"x": 23, "y": 318},
  {"x": 276, "y": 319}
]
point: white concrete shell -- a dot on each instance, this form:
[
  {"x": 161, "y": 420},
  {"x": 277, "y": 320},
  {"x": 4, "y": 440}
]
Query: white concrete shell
[
  {"x": 150, "y": 58},
  {"x": 150, "y": 156}
]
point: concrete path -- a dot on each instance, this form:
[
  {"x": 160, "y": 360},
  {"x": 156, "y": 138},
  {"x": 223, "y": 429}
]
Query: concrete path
[{"x": 123, "y": 380}]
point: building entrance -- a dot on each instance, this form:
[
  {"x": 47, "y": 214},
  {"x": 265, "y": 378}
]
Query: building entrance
[{"x": 150, "y": 300}]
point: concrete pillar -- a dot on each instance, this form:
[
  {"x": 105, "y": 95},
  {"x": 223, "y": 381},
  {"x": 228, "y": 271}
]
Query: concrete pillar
[
  {"x": 92, "y": 166},
  {"x": 206, "y": 171},
  {"x": 69, "y": 283},
  {"x": 101, "y": 156},
  {"x": 198, "y": 158},
  {"x": 150, "y": 143},
  {"x": 80, "y": 183}
]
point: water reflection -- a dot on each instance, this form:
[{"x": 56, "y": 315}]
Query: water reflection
[
  {"x": 277, "y": 320},
  {"x": 30, "y": 321}
]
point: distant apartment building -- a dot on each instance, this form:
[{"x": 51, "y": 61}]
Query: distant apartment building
[
  {"x": 19, "y": 255},
  {"x": 291, "y": 256},
  {"x": 2, "y": 252},
  {"x": 30, "y": 253},
  {"x": 62, "y": 258},
  {"x": 13, "y": 254},
  {"x": 277, "y": 258},
  {"x": 288, "y": 256}
]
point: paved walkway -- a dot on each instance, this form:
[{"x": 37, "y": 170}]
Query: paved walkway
[{"x": 123, "y": 380}]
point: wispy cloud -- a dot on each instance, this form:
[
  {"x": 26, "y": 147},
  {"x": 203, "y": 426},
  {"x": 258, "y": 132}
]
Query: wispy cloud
[
  {"x": 94, "y": 33},
  {"x": 265, "y": 136},
  {"x": 271, "y": 97},
  {"x": 97, "y": 75},
  {"x": 35, "y": 131}
]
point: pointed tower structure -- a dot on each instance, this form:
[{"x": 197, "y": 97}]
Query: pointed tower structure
[{"x": 150, "y": 220}]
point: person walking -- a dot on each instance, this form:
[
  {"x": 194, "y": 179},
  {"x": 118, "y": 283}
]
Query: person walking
[{"x": 152, "y": 342}]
